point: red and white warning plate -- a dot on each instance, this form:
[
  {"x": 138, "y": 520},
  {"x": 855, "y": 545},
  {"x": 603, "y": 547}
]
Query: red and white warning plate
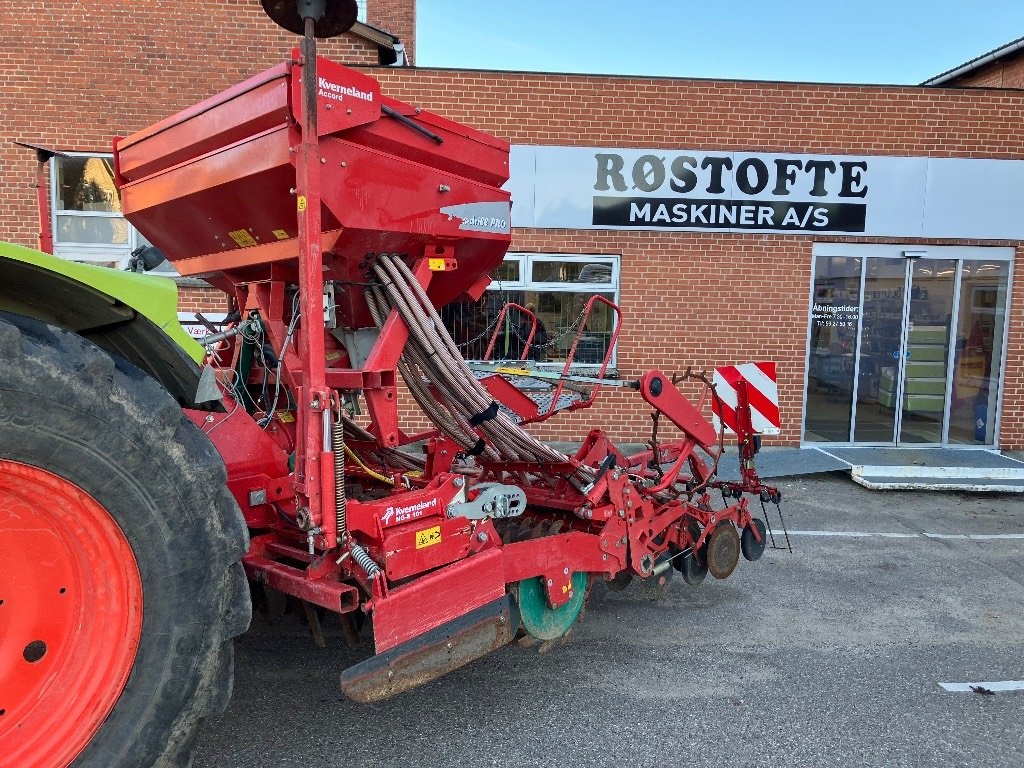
[{"x": 762, "y": 394}]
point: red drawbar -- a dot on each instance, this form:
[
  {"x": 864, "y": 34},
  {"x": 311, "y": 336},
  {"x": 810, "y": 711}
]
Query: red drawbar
[{"x": 70, "y": 616}]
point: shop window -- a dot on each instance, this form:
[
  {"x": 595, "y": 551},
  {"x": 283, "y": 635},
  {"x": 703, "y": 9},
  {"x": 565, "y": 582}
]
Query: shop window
[
  {"x": 88, "y": 225},
  {"x": 835, "y": 311},
  {"x": 554, "y": 287},
  {"x": 978, "y": 353},
  {"x": 906, "y": 346}
]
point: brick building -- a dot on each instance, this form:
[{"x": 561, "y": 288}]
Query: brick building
[
  {"x": 862, "y": 237},
  {"x": 999, "y": 68}
]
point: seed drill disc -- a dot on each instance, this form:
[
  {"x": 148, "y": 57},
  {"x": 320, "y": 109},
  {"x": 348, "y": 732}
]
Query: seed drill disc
[
  {"x": 691, "y": 568},
  {"x": 620, "y": 582},
  {"x": 752, "y": 548},
  {"x": 723, "y": 550},
  {"x": 541, "y": 620},
  {"x": 693, "y": 565}
]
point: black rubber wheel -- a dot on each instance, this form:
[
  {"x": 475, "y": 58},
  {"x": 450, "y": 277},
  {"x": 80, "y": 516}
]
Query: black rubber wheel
[
  {"x": 105, "y": 427},
  {"x": 692, "y": 569},
  {"x": 693, "y": 565},
  {"x": 752, "y": 548}
]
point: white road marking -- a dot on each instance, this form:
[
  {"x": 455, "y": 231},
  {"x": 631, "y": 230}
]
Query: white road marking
[
  {"x": 998, "y": 685},
  {"x": 895, "y": 535}
]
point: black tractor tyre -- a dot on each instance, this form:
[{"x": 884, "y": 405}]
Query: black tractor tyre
[{"x": 70, "y": 408}]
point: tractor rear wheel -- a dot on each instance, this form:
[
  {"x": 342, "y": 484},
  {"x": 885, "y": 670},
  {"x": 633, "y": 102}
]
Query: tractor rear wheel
[{"x": 120, "y": 585}]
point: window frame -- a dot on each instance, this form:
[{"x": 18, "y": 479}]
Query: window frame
[
  {"x": 526, "y": 261},
  {"x": 92, "y": 253},
  {"x": 520, "y": 284}
]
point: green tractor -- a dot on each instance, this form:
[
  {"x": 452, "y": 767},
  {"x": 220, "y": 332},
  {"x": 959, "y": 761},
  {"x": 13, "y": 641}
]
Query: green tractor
[{"x": 121, "y": 585}]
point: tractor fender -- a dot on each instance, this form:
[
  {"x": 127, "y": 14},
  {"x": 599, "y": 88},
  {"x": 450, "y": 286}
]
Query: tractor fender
[{"x": 129, "y": 315}]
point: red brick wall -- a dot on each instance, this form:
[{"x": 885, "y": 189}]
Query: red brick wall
[
  {"x": 1008, "y": 72},
  {"x": 707, "y": 299},
  {"x": 699, "y": 299},
  {"x": 397, "y": 17},
  {"x": 715, "y": 114},
  {"x": 202, "y": 300},
  {"x": 73, "y": 75}
]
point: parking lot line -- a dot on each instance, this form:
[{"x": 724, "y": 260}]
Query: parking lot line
[
  {"x": 897, "y": 535},
  {"x": 994, "y": 686}
]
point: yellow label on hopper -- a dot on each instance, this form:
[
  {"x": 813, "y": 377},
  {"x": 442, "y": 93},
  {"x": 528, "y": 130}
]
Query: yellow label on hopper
[{"x": 242, "y": 238}]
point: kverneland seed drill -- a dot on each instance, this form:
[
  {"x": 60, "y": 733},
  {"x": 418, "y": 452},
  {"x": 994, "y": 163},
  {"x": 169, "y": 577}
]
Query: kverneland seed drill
[{"x": 139, "y": 499}]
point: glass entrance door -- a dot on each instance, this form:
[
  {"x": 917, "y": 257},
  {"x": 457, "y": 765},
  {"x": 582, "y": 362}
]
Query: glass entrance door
[
  {"x": 879, "y": 362},
  {"x": 925, "y": 384},
  {"x": 981, "y": 309},
  {"x": 902, "y": 375},
  {"x": 905, "y": 350}
]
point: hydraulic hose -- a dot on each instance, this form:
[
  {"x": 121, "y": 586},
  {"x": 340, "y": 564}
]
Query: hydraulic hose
[
  {"x": 523, "y": 442},
  {"x": 442, "y": 416},
  {"x": 432, "y": 349},
  {"x": 425, "y": 349}
]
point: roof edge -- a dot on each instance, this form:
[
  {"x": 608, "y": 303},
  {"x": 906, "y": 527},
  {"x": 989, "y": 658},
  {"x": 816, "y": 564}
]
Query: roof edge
[
  {"x": 390, "y": 47},
  {"x": 976, "y": 63}
]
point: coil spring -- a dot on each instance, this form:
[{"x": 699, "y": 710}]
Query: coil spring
[
  {"x": 366, "y": 562},
  {"x": 340, "y": 511}
]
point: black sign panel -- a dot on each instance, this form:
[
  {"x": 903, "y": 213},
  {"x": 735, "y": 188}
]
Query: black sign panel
[{"x": 686, "y": 213}]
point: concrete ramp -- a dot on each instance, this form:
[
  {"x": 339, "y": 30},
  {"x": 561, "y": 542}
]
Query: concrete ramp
[{"x": 939, "y": 469}]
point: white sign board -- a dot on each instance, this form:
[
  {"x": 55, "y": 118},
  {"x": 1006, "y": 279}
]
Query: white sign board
[
  {"x": 691, "y": 190},
  {"x": 196, "y": 329}
]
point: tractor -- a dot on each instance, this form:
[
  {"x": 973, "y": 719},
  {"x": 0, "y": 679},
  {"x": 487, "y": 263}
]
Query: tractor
[{"x": 153, "y": 488}]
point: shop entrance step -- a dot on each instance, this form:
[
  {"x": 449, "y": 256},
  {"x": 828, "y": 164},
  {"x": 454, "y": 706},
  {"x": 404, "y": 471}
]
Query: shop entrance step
[{"x": 939, "y": 469}]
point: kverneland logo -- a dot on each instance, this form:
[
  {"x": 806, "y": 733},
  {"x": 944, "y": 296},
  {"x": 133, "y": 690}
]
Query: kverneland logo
[
  {"x": 337, "y": 91},
  {"x": 401, "y": 514}
]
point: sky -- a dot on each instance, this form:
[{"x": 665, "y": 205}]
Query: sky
[{"x": 844, "y": 41}]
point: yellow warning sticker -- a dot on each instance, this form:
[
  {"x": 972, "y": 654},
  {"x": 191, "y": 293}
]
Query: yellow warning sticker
[
  {"x": 332, "y": 356},
  {"x": 436, "y": 265},
  {"x": 285, "y": 417},
  {"x": 302, "y": 202},
  {"x": 428, "y": 537},
  {"x": 242, "y": 238},
  {"x": 280, "y": 234}
]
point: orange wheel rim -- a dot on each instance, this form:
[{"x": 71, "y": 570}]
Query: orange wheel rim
[{"x": 70, "y": 616}]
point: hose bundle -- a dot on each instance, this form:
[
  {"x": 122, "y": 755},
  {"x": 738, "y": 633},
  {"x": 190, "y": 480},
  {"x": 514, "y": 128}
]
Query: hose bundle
[{"x": 457, "y": 402}]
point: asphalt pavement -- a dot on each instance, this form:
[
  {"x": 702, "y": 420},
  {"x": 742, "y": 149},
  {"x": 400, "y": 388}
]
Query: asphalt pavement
[{"x": 830, "y": 656}]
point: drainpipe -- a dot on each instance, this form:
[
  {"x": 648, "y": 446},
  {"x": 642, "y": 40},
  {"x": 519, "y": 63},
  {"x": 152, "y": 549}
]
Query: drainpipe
[{"x": 43, "y": 156}]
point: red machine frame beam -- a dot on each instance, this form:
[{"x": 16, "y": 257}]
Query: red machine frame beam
[{"x": 315, "y": 398}]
